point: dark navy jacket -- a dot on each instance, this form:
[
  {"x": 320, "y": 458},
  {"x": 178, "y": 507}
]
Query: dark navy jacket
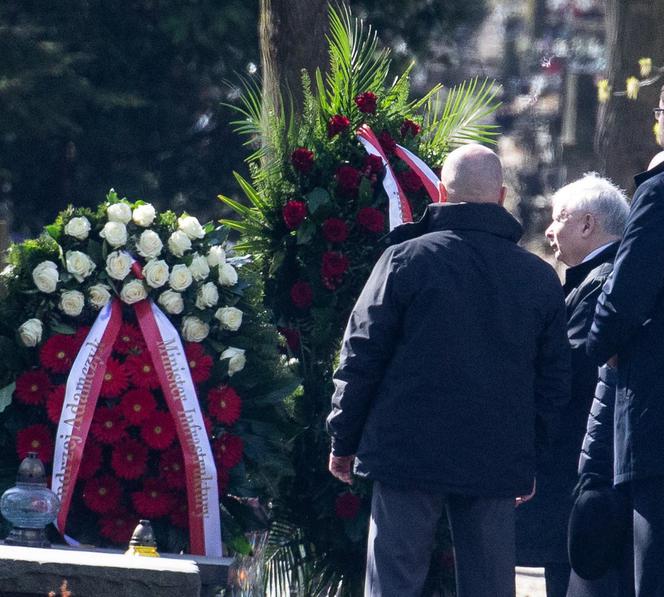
[{"x": 454, "y": 354}]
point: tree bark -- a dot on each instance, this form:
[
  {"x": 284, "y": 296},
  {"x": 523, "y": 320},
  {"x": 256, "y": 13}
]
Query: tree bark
[{"x": 625, "y": 141}]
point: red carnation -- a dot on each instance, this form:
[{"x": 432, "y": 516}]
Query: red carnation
[
  {"x": 337, "y": 124},
  {"x": 153, "y": 501},
  {"x": 292, "y": 338},
  {"x": 410, "y": 127},
  {"x": 36, "y": 438},
  {"x": 386, "y": 141},
  {"x": 409, "y": 181},
  {"x": 32, "y": 387},
  {"x": 228, "y": 450},
  {"x": 179, "y": 517},
  {"x": 366, "y": 102},
  {"x": 302, "y": 159},
  {"x": 334, "y": 264},
  {"x": 108, "y": 425},
  {"x": 347, "y": 505},
  {"x": 102, "y": 494},
  {"x": 92, "y": 457},
  {"x": 294, "y": 213},
  {"x": 129, "y": 459},
  {"x": 129, "y": 340},
  {"x": 137, "y": 405},
  {"x": 302, "y": 295},
  {"x": 58, "y": 353},
  {"x": 224, "y": 405},
  {"x": 371, "y": 219},
  {"x": 335, "y": 230},
  {"x": 54, "y": 402},
  {"x": 158, "y": 431},
  {"x": 118, "y": 527},
  {"x": 200, "y": 363},
  {"x": 348, "y": 180},
  {"x": 115, "y": 379},
  {"x": 372, "y": 165},
  {"x": 141, "y": 371},
  {"x": 171, "y": 467}
]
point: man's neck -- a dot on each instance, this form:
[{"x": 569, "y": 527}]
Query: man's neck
[{"x": 599, "y": 247}]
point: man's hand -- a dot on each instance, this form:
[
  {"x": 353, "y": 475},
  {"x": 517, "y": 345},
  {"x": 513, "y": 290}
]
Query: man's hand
[
  {"x": 522, "y": 499},
  {"x": 341, "y": 467}
]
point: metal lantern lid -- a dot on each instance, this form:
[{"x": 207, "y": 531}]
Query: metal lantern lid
[
  {"x": 143, "y": 535},
  {"x": 31, "y": 471}
]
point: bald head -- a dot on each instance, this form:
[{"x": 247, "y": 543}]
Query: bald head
[{"x": 472, "y": 174}]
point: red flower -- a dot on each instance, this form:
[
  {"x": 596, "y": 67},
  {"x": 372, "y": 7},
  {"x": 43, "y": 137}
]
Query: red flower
[
  {"x": 108, "y": 425},
  {"x": 366, "y": 102},
  {"x": 153, "y": 501},
  {"x": 334, "y": 264},
  {"x": 129, "y": 339},
  {"x": 410, "y": 127},
  {"x": 207, "y": 421},
  {"x": 171, "y": 467},
  {"x": 409, "y": 181},
  {"x": 102, "y": 494},
  {"x": 141, "y": 371},
  {"x": 348, "y": 180},
  {"x": 336, "y": 125},
  {"x": 347, "y": 505},
  {"x": 386, "y": 141},
  {"x": 180, "y": 515},
  {"x": 371, "y": 219},
  {"x": 292, "y": 338},
  {"x": 58, "y": 353},
  {"x": 115, "y": 379},
  {"x": 158, "y": 431},
  {"x": 200, "y": 363},
  {"x": 129, "y": 459},
  {"x": 137, "y": 405},
  {"x": 294, "y": 213},
  {"x": 228, "y": 450},
  {"x": 301, "y": 294},
  {"x": 54, "y": 402},
  {"x": 32, "y": 387},
  {"x": 36, "y": 438},
  {"x": 372, "y": 164},
  {"x": 118, "y": 527},
  {"x": 80, "y": 336},
  {"x": 92, "y": 457},
  {"x": 335, "y": 230},
  {"x": 302, "y": 159},
  {"x": 223, "y": 480},
  {"x": 224, "y": 405}
]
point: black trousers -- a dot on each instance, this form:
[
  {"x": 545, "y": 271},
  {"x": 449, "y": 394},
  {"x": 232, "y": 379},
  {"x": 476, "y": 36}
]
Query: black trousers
[
  {"x": 401, "y": 537},
  {"x": 648, "y": 518}
]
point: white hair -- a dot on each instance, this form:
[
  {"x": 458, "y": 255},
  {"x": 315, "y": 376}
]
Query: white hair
[{"x": 599, "y": 196}]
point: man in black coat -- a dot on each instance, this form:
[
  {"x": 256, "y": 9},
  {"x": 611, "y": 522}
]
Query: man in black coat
[
  {"x": 628, "y": 330},
  {"x": 588, "y": 218},
  {"x": 454, "y": 365}
]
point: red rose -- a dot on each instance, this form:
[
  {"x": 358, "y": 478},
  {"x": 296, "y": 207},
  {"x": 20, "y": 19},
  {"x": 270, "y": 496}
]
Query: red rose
[
  {"x": 366, "y": 102},
  {"x": 410, "y": 127},
  {"x": 334, "y": 265},
  {"x": 302, "y": 295},
  {"x": 371, "y": 219},
  {"x": 302, "y": 159},
  {"x": 386, "y": 141},
  {"x": 347, "y": 506},
  {"x": 373, "y": 164},
  {"x": 348, "y": 180},
  {"x": 294, "y": 213},
  {"x": 335, "y": 230},
  {"x": 336, "y": 125},
  {"x": 409, "y": 181}
]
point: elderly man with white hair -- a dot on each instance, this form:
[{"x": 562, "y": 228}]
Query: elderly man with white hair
[{"x": 454, "y": 350}]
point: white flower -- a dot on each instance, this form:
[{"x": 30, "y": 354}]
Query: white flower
[
  {"x": 194, "y": 330},
  {"x": 236, "y": 359},
  {"x": 179, "y": 243},
  {"x": 118, "y": 265},
  {"x": 79, "y": 265},
  {"x": 227, "y": 275},
  {"x": 149, "y": 244},
  {"x": 155, "y": 273},
  {"x": 45, "y": 276},
  {"x": 115, "y": 233},
  {"x": 216, "y": 256},
  {"x": 119, "y": 212},
  {"x": 79, "y": 228},
  {"x": 30, "y": 332},
  {"x": 199, "y": 268},
  {"x": 230, "y": 318},
  {"x": 191, "y": 227},
  {"x": 172, "y": 302},
  {"x": 144, "y": 215},
  {"x": 133, "y": 291},
  {"x": 99, "y": 295},
  {"x": 207, "y": 296},
  {"x": 180, "y": 278},
  {"x": 71, "y": 302}
]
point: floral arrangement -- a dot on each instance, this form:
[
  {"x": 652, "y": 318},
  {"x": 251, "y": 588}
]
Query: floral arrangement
[
  {"x": 132, "y": 465},
  {"x": 316, "y": 221}
]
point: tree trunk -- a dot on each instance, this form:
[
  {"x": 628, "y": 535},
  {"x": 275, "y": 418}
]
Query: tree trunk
[{"x": 625, "y": 141}]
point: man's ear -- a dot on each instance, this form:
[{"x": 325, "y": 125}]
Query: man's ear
[
  {"x": 589, "y": 223},
  {"x": 442, "y": 193},
  {"x": 503, "y": 194}
]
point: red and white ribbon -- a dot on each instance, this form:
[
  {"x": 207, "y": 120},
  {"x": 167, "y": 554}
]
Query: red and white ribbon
[{"x": 425, "y": 174}]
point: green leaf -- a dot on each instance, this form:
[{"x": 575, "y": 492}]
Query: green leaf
[
  {"x": 277, "y": 261},
  {"x": 305, "y": 232},
  {"x": 316, "y": 199},
  {"x": 54, "y": 231},
  {"x": 365, "y": 195},
  {"x": 62, "y": 328},
  {"x": 6, "y": 395},
  {"x": 94, "y": 251}
]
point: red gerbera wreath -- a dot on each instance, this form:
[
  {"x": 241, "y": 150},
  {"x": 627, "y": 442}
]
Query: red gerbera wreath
[
  {"x": 141, "y": 371},
  {"x": 228, "y": 450},
  {"x": 224, "y": 405},
  {"x": 171, "y": 467},
  {"x": 129, "y": 340},
  {"x": 137, "y": 405},
  {"x": 102, "y": 494},
  {"x": 152, "y": 501},
  {"x": 129, "y": 459},
  {"x": 58, "y": 353},
  {"x": 92, "y": 458},
  {"x": 36, "y": 438},
  {"x": 180, "y": 515},
  {"x": 32, "y": 387},
  {"x": 54, "y": 402},
  {"x": 115, "y": 379},
  {"x": 118, "y": 527},
  {"x": 158, "y": 431},
  {"x": 200, "y": 363},
  {"x": 108, "y": 425}
]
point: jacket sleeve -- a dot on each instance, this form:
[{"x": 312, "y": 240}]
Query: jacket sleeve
[
  {"x": 367, "y": 347},
  {"x": 630, "y": 294}
]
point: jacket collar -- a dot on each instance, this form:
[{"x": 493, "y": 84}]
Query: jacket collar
[
  {"x": 481, "y": 217},
  {"x": 576, "y": 274},
  {"x": 640, "y": 178}
]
